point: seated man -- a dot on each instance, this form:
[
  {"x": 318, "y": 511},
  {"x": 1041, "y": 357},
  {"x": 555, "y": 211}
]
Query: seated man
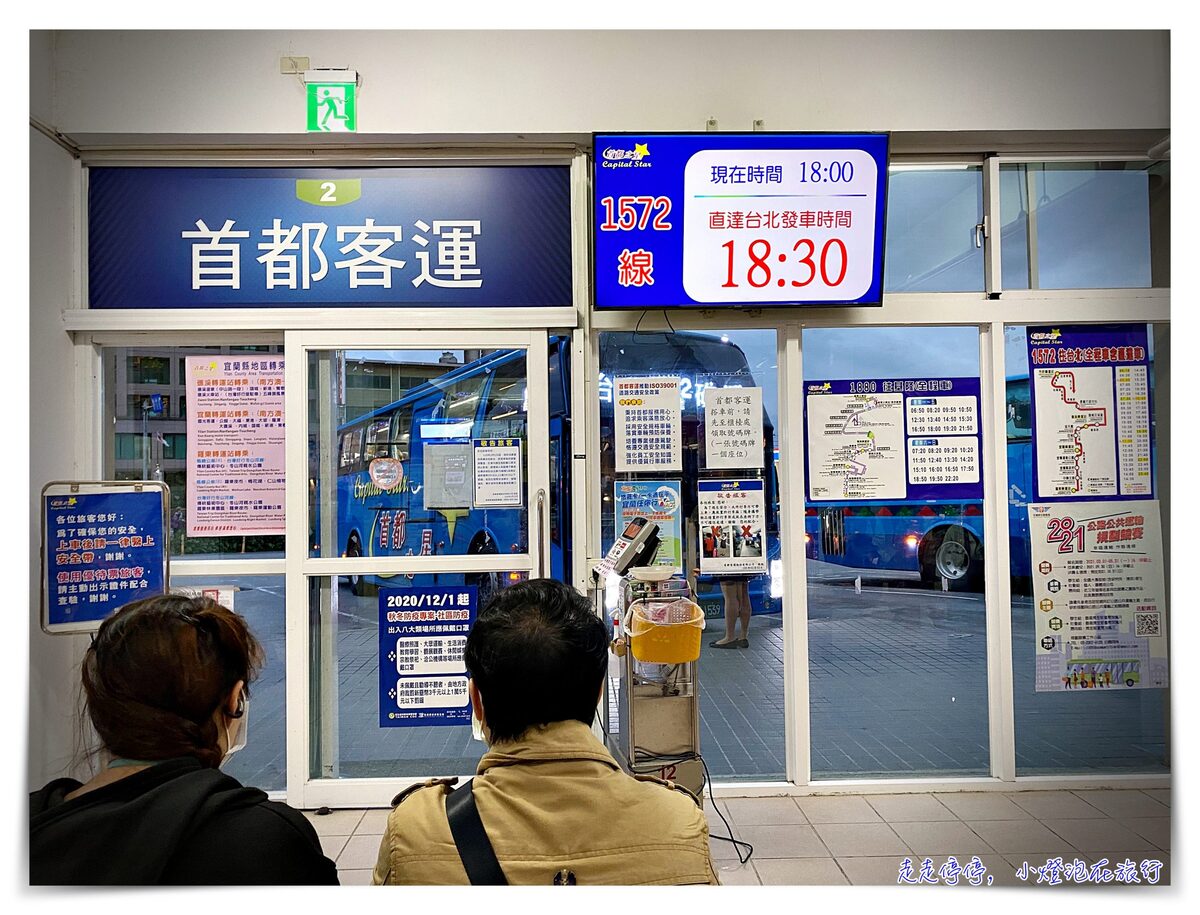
[{"x": 554, "y": 803}]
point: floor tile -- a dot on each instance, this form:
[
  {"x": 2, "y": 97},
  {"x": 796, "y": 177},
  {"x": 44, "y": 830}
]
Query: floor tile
[
  {"x": 799, "y": 872},
  {"x": 784, "y": 841},
  {"x": 1054, "y": 805},
  {"x": 359, "y": 852},
  {"x": 356, "y": 877},
  {"x": 861, "y": 839},
  {"x": 1125, "y": 803},
  {"x": 1155, "y": 829},
  {"x": 373, "y": 823},
  {"x": 764, "y": 811},
  {"x": 731, "y": 873},
  {"x": 872, "y": 871},
  {"x": 722, "y": 849},
  {"x": 913, "y": 808},
  {"x": 1093, "y": 835},
  {"x": 1162, "y": 795},
  {"x": 1020, "y": 837},
  {"x": 337, "y": 823},
  {"x": 981, "y": 805},
  {"x": 332, "y": 845},
  {"x": 838, "y": 809},
  {"x": 955, "y": 838}
]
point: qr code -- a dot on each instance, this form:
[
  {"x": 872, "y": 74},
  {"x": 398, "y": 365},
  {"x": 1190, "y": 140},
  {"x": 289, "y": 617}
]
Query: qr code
[{"x": 1147, "y": 624}]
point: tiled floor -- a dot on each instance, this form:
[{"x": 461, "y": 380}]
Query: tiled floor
[{"x": 864, "y": 838}]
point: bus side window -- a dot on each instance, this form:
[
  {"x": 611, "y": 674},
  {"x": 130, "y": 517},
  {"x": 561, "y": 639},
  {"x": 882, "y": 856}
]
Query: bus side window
[
  {"x": 349, "y": 454},
  {"x": 401, "y": 433},
  {"x": 1017, "y": 410},
  {"x": 377, "y": 439},
  {"x": 503, "y": 413}
]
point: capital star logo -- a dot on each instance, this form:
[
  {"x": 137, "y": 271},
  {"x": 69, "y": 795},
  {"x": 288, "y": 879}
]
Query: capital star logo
[{"x": 640, "y": 150}]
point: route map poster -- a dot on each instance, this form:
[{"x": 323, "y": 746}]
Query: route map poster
[
  {"x": 422, "y": 635},
  {"x": 649, "y": 423},
  {"x": 235, "y": 445},
  {"x": 732, "y": 527},
  {"x": 1090, "y": 400},
  {"x": 657, "y": 501},
  {"x": 893, "y": 438},
  {"x": 1098, "y": 595}
]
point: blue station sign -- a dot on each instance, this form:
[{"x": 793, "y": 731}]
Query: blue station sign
[
  {"x": 272, "y": 237},
  {"x": 738, "y": 219}
]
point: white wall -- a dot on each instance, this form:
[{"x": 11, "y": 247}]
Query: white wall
[
  {"x": 441, "y": 82},
  {"x": 54, "y": 277}
]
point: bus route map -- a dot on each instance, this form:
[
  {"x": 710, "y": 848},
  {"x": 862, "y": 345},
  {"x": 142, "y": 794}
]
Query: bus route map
[
  {"x": 1076, "y": 445},
  {"x": 856, "y": 446}
]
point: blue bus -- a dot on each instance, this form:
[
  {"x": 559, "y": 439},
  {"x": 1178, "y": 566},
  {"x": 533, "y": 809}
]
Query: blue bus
[
  {"x": 428, "y": 431},
  {"x": 935, "y": 539},
  {"x": 424, "y": 506}
]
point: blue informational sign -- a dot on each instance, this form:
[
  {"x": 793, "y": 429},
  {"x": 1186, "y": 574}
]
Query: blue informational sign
[
  {"x": 659, "y": 501},
  {"x": 755, "y": 219},
  {"x": 1090, "y": 410},
  {"x": 103, "y": 550},
  {"x": 156, "y": 404},
  {"x": 422, "y": 634},
  {"x": 272, "y": 237},
  {"x": 893, "y": 439}
]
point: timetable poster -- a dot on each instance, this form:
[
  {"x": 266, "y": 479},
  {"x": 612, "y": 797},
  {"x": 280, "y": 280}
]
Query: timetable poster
[
  {"x": 893, "y": 438},
  {"x": 102, "y": 550},
  {"x": 1098, "y": 595},
  {"x": 733, "y": 429},
  {"x": 732, "y": 527},
  {"x": 422, "y": 635},
  {"x": 235, "y": 445},
  {"x": 657, "y": 501},
  {"x": 649, "y": 424},
  {"x": 1090, "y": 400}
]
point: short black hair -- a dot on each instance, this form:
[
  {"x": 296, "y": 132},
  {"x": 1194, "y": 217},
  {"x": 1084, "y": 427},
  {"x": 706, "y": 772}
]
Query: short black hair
[{"x": 537, "y": 653}]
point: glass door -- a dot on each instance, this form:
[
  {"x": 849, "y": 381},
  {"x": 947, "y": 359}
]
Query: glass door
[{"x": 419, "y": 484}]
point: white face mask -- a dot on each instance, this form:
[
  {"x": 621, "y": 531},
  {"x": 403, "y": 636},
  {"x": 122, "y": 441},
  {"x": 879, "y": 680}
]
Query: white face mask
[
  {"x": 477, "y": 727},
  {"x": 231, "y": 745}
]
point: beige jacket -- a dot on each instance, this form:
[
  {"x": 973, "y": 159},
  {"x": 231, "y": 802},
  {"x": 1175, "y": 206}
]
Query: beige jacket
[{"x": 555, "y": 799}]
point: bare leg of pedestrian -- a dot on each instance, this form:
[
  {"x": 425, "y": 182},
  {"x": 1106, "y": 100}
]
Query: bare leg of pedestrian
[
  {"x": 732, "y": 610},
  {"x": 743, "y": 588}
]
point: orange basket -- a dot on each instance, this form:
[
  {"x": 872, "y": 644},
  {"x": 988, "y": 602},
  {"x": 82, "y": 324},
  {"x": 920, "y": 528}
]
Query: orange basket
[{"x": 666, "y": 632}]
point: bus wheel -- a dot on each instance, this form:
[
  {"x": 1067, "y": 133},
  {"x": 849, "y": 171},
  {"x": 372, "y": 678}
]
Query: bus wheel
[
  {"x": 955, "y": 556},
  {"x": 358, "y": 583},
  {"x": 1129, "y": 681}
]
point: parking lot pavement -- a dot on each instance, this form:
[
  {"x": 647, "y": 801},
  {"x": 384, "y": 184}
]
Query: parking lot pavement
[{"x": 897, "y": 681}]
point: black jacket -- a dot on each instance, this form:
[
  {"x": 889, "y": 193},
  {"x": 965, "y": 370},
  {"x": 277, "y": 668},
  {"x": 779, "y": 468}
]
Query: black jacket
[{"x": 173, "y": 823}]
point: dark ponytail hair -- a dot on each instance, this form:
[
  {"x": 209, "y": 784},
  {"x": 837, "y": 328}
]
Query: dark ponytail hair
[{"x": 157, "y": 670}]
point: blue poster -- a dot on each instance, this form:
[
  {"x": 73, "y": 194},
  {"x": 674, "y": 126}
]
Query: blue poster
[
  {"x": 1091, "y": 414},
  {"x": 754, "y": 219},
  {"x": 319, "y": 237},
  {"x": 422, "y": 635},
  {"x": 103, "y": 550},
  {"x": 658, "y": 501},
  {"x": 900, "y": 439}
]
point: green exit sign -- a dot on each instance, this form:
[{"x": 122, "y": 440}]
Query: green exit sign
[{"x": 332, "y": 108}]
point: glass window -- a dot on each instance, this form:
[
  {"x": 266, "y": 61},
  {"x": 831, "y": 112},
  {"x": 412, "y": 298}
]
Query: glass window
[
  {"x": 1112, "y": 727},
  {"x": 259, "y": 599},
  {"x": 458, "y": 396},
  {"x": 132, "y": 378},
  {"x": 740, "y": 689},
  {"x": 1017, "y": 409},
  {"x": 1085, "y": 225},
  {"x": 932, "y": 212},
  {"x": 149, "y": 370},
  {"x": 894, "y": 545}
]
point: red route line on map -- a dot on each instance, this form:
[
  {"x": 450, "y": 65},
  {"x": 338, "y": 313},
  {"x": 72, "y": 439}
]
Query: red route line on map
[{"x": 1062, "y": 392}]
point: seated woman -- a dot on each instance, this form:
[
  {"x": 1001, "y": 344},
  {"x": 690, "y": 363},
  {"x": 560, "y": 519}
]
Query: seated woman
[{"x": 165, "y": 687}]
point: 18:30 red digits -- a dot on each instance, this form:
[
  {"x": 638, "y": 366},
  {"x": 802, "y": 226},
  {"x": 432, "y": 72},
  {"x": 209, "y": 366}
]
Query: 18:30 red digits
[{"x": 829, "y": 263}]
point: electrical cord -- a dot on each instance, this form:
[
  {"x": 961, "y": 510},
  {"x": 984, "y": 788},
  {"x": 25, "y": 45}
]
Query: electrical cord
[{"x": 738, "y": 844}]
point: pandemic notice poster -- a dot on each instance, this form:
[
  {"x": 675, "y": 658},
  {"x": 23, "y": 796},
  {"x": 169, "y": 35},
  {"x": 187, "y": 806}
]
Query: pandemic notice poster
[{"x": 1098, "y": 596}]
